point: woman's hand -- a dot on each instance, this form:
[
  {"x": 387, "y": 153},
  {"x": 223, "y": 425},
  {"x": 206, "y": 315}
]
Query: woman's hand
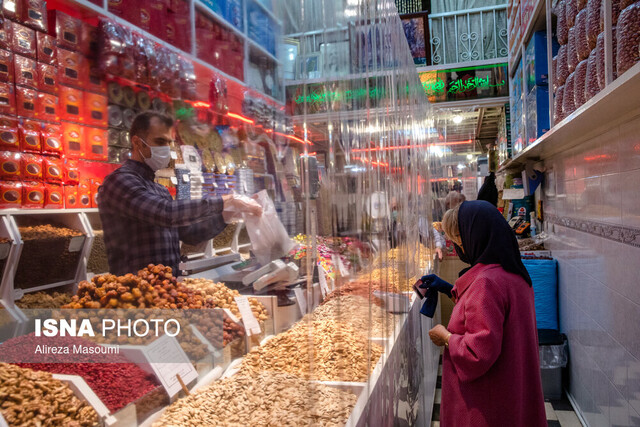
[{"x": 439, "y": 335}]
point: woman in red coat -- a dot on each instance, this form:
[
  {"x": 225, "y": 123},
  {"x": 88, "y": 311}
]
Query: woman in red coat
[{"x": 491, "y": 372}]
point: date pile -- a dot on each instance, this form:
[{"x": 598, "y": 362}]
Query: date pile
[
  {"x": 36, "y": 398},
  {"x": 43, "y": 300},
  {"x": 263, "y": 399},
  {"x": 356, "y": 312},
  {"x": 223, "y": 297},
  {"x": 324, "y": 350}
]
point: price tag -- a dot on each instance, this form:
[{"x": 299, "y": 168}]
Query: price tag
[
  {"x": 168, "y": 360},
  {"x": 174, "y": 180},
  {"x": 185, "y": 178},
  {"x": 251, "y": 325},
  {"x": 174, "y": 155},
  {"x": 233, "y": 318},
  {"x": 323, "y": 281},
  {"x": 302, "y": 301},
  {"x": 76, "y": 243}
]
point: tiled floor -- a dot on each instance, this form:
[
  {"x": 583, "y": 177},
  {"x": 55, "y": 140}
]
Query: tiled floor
[{"x": 560, "y": 413}]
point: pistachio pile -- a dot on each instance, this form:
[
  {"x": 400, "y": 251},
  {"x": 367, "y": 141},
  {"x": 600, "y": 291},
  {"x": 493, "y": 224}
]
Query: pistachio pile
[
  {"x": 34, "y": 398},
  {"x": 356, "y": 312},
  {"x": 262, "y": 399},
  {"x": 324, "y": 350},
  {"x": 223, "y": 297}
]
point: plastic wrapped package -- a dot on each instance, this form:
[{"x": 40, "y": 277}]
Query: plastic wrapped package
[
  {"x": 562, "y": 31},
  {"x": 570, "y": 12},
  {"x": 572, "y": 51},
  {"x": 579, "y": 92},
  {"x": 615, "y": 13},
  {"x": 568, "y": 98},
  {"x": 600, "y": 58},
  {"x": 582, "y": 45},
  {"x": 628, "y": 38},
  {"x": 554, "y": 67},
  {"x": 592, "y": 88},
  {"x": 581, "y": 5},
  {"x": 562, "y": 69},
  {"x": 625, "y": 4},
  {"x": 593, "y": 22}
]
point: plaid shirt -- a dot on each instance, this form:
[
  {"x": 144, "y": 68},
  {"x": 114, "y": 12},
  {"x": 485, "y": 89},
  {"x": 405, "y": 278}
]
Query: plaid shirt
[{"x": 143, "y": 224}]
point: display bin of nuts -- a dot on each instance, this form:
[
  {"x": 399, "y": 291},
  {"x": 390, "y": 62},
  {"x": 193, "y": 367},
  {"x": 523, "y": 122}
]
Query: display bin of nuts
[
  {"x": 55, "y": 247},
  {"x": 98, "y": 262}
]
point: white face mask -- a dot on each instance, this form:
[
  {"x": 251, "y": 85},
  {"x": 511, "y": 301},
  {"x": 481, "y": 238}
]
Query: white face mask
[{"x": 160, "y": 156}]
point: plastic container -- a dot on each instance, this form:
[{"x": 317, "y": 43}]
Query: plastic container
[
  {"x": 593, "y": 22},
  {"x": 579, "y": 92},
  {"x": 562, "y": 31},
  {"x": 591, "y": 82},
  {"x": 558, "y": 115},
  {"x": 628, "y": 38}
]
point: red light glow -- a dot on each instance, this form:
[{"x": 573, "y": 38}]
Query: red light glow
[{"x": 241, "y": 118}]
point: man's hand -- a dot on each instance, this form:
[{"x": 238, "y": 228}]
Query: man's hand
[
  {"x": 439, "y": 335},
  {"x": 235, "y": 206}
]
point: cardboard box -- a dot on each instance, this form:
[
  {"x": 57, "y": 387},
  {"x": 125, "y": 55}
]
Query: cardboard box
[
  {"x": 47, "y": 107},
  {"x": 34, "y": 14},
  {"x": 97, "y": 143},
  {"x": 67, "y": 30},
  {"x": 7, "y": 70},
  {"x": 47, "y": 78},
  {"x": 47, "y": 52},
  {"x": 73, "y": 140},
  {"x": 72, "y": 68},
  {"x": 71, "y": 104},
  {"x": 95, "y": 109},
  {"x": 24, "y": 41},
  {"x": 26, "y": 100},
  {"x": 26, "y": 71},
  {"x": 7, "y": 99}
]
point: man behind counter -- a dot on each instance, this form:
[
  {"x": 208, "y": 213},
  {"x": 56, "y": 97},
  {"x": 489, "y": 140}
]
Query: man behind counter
[{"x": 142, "y": 223}]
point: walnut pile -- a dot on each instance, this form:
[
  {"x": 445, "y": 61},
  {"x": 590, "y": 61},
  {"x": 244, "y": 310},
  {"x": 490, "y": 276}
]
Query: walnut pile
[
  {"x": 262, "y": 399},
  {"x": 223, "y": 297},
  {"x": 47, "y": 232},
  {"x": 34, "y": 398},
  {"x": 324, "y": 350}
]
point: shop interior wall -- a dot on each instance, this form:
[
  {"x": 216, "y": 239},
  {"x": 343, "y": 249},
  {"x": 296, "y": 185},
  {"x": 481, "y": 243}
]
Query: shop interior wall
[{"x": 592, "y": 211}]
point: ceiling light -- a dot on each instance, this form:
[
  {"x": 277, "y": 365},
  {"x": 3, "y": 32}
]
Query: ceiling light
[
  {"x": 457, "y": 119},
  {"x": 460, "y": 166},
  {"x": 469, "y": 156}
]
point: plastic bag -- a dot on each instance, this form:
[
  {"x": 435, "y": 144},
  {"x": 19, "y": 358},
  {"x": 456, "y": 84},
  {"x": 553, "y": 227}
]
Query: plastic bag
[
  {"x": 591, "y": 83},
  {"x": 562, "y": 69},
  {"x": 544, "y": 276},
  {"x": 554, "y": 67},
  {"x": 615, "y": 13},
  {"x": 600, "y": 59},
  {"x": 570, "y": 12},
  {"x": 582, "y": 45},
  {"x": 562, "y": 28},
  {"x": 554, "y": 356},
  {"x": 572, "y": 50},
  {"x": 568, "y": 99},
  {"x": 581, "y": 5},
  {"x": 580, "y": 79},
  {"x": 625, "y": 4},
  {"x": 593, "y": 22},
  {"x": 557, "y": 110},
  {"x": 628, "y": 38},
  {"x": 269, "y": 239}
]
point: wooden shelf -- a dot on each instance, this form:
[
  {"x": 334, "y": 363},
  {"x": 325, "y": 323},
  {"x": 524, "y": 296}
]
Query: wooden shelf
[{"x": 614, "y": 104}]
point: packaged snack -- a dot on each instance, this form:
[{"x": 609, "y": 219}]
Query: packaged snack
[
  {"x": 71, "y": 104},
  {"x": 47, "y": 107},
  {"x": 600, "y": 58},
  {"x": 570, "y": 12},
  {"x": 582, "y": 45},
  {"x": 6, "y": 66},
  {"x": 580, "y": 80},
  {"x": 592, "y": 87},
  {"x": 71, "y": 199},
  {"x": 8, "y": 122},
  {"x": 97, "y": 143},
  {"x": 12, "y": 9},
  {"x": 84, "y": 193},
  {"x": 572, "y": 51},
  {"x": 47, "y": 78},
  {"x": 581, "y": 5},
  {"x": 562, "y": 69},
  {"x": 34, "y": 14},
  {"x": 68, "y": 30},
  {"x": 71, "y": 175},
  {"x": 615, "y": 13},
  {"x": 10, "y": 194},
  {"x": 593, "y": 22},
  {"x": 24, "y": 41},
  {"x": 89, "y": 40},
  {"x": 31, "y": 167},
  {"x": 9, "y": 140},
  {"x": 53, "y": 169},
  {"x": 10, "y": 165},
  {"x": 32, "y": 195},
  {"x": 26, "y": 102},
  {"x": 628, "y": 38},
  {"x": 6, "y": 34},
  {"x": 95, "y": 109},
  {"x": 568, "y": 97},
  {"x": 7, "y": 99},
  {"x": 26, "y": 71},
  {"x": 52, "y": 129},
  {"x": 95, "y": 184},
  {"x": 112, "y": 46},
  {"x": 30, "y": 141},
  {"x": 96, "y": 82},
  {"x": 26, "y": 124},
  {"x": 51, "y": 144},
  {"x": 47, "y": 50},
  {"x": 72, "y": 140},
  {"x": 72, "y": 68},
  {"x": 54, "y": 196}
]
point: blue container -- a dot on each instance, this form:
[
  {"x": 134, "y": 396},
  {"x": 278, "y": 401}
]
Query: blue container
[
  {"x": 544, "y": 275},
  {"x": 536, "y": 64},
  {"x": 537, "y": 113}
]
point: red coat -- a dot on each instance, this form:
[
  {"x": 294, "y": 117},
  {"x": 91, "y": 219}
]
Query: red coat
[{"x": 491, "y": 372}]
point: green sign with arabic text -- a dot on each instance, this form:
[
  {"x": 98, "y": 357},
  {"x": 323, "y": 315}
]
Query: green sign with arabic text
[{"x": 466, "y": 83}]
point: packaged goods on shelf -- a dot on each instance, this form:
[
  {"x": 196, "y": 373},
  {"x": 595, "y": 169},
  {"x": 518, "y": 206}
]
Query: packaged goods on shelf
[
  {"x": 568, "y": 97},
  {"x": 572, "y": 50},
  {"x": 339, "y": 353},
  {"x": 600, "y": 58},
  {"x": 593, "y": 22},
  {"x": 628, "y": 38},
  {"x": 117, "y": 383},
  {"x": 615, "y": 13},
  {"x": 571, "y": 10},
  {"x": 223, "y": 297},
  {"x": 47, "y": 398},
  {"x": 562, "y": 27},
  {"x": 266, "y": 398},
  {"x": 579, "y": 91},
  {"x": 537, "y": 113},
  {"x": 356, "y": 312},
  {"x": 582, "y": 45}
]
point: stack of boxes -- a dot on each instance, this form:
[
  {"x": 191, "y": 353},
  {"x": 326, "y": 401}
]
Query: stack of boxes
[
  {"x": 517, "y": 111},
  {"x": 52, "y": 108},
  {"x": 219, "y": 46}
]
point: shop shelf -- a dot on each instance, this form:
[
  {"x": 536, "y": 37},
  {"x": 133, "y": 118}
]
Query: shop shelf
[
  {"x": 268, "y": 12},
  {"x": 254, "y": 45},
  {"x": 219, "y": 19},
  {"x": 537, "y": 22},
  {"x": 617, "y": 102}
]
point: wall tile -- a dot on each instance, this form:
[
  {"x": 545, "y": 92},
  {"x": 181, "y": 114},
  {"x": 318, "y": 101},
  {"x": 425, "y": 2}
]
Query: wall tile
[
  {"x": 629, "y": 186},
  {"x": 600, "y": 414},
  {"x": 629, "y": 146},
  {"x": 634, "y": 417},
  {"x": 632, "y": 390},
  {"x": 612, "y": 199},
  {"x": 625, "y": 329},
  {"x": 618, "y": 409}
]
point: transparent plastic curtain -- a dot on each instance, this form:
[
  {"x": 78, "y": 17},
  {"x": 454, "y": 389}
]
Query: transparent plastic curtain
[{"x": 366, "y": 110}]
